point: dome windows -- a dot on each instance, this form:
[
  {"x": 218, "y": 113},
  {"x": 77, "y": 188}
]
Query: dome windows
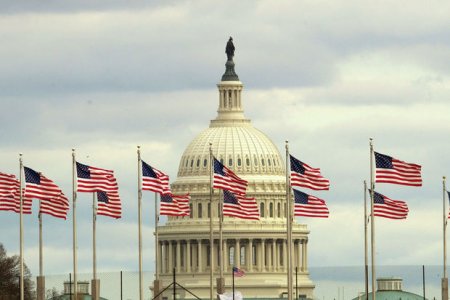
[
  {"x": 205, "y": 162},
  {"x": 230, "y": 162},
  {"x": 239, "y": 162}
]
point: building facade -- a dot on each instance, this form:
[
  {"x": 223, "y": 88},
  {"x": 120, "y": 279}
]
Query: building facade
[{"x": 257, "y": 247}]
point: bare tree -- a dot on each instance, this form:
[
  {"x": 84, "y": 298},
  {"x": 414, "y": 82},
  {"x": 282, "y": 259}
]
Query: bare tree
[{"x": 10, "y": 277}]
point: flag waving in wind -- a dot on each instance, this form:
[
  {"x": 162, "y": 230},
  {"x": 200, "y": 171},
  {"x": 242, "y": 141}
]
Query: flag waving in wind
[
  {"x": 154, "y": 180},
  {"x": 174, "y": 205},
  {"x": 225, "y": 179},
  {"x": 239, "y": 206},
  {"x": 91, "y": 179},
  {"x": 108, "y": 204},
  {"x": 53, "y": 201},
  {"x": 309, "y": 206},
  {"x": 303, "y": 175},
  {"x": 392, "y": 170},
  {"x": 388, "y": 208},
  {"x": 10, "y": 195}
]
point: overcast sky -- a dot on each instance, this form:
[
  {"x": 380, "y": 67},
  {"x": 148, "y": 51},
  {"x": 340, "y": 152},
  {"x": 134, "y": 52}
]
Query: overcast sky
[{"x": 103, "y": 77}]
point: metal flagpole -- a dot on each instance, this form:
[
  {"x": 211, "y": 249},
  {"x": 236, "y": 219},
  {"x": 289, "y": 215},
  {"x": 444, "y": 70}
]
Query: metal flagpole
[
  {"x": 40, "y": 280},
  {"x": 289, "y": 224},
  {"x": 366, "y": 263},
  {"x": 74, "y": 223},
  {"x": 444, "y": 221},
  {"x": 211, "y": 237},
  {"x": 372, "y": 224},
  {"x": 140, "y": 221},
  {"x": 21, "y": 228},
  {"x": 221, "y": 260},
  {"x": 94, "y": 246},
  {"x": 156, "y": 238}
]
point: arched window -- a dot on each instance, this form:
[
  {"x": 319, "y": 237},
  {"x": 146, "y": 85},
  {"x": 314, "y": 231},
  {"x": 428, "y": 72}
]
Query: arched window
[
  {"x": 221, "y": 161},
  {"x": 192, "y": 163},
  {"x": 271, "y": 210},
  {"x": 268, "y": 162},
  {"x": 279, "y": 210},
  {"x": 230, "y": 162},
  {"x": 205, "y": 162},
  {"x": 247, "y": 161},
  {"x": 187, "y": 162},
  {"x": 199, "y": 210},
  {"x": 242, "y": 255},
  {"x": 209, "y": 210},
  {"x": 231, "y": 256},
  {"x": 285, "y": 210},
  {"x": 262, "y": 162},
  {"x": 239, "y": 162},
  {"x": 198, "y": 162},
  {"x": 261, "y": 209}
]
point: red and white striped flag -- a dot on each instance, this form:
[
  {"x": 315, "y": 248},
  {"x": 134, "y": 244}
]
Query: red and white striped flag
[
  {"x": 108, "y": 204},
  {"x": 53, "y": 201},
  {"x": 10, "y": 195},
  {"x": 174, "y": 205},
  {"x": 309, "y": 206},
  {"x": 303, "y": 175},
  {"x": 239, "y": 206},
  {"x": 392, "y": 170},
  {"x": 91, "y": 179},
  {"x": 225, "y": 179},
  {"x": 154, "y": 180},
  {"x": 388, "y": 208}
]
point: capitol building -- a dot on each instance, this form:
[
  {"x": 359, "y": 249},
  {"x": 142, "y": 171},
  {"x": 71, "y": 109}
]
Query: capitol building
[{"x": 257, "y": 247}]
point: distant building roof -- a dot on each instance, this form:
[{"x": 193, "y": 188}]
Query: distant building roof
[{"x": 390, "y": 288}]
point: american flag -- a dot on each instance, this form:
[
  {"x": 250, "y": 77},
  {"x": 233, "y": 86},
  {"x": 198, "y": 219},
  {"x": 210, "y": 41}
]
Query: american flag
[
  {"x": 238, "y": 272},
  {"x": 174, "y": 205},
  {"x": 10, "y": 195},
  {"x": 239, "y": 206},
  {"x": 388, "y": 208},
  {"x": 303, "y": 175},
  {"x": 154, "y": 180},
  {"x": 108, "y": 204},
  {"x": 225, "y": 179},
  {"x": 309, "y": 206},
  {"x": 392, "y": 170},
  {"x": 91, "y": 179},
  {"x": 53, "y": 200}
]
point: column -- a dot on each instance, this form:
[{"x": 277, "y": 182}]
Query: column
[
  {"x": 237, "y": 255},
  {"x": 160, "y": 258},
  {"x": 199, "y": 256},
  {"x": 250, "y": 255},
  {"x": 284, "y": 255},
  {"x": 170, "y": 257},
  {"x": 263, "y": 256},
  {"x": 274, "y": 254},
  {"x": 306, "y": 256},
  {"x": 298, "y": 253},
  {"x": 178, "y": 258},
  {"x": 303, "y": 255},
  {"x": 187, "y": 261},
  {"x": 163, "y": 257},
  {"x": 226, "y": 258}
]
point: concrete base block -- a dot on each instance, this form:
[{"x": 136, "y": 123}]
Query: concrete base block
[
  {"x": 95, "y": 289},
  {"x": 444, "y": 288},
  {"x": 157, "y": 288},
  {"x": 40, "y": 288}
]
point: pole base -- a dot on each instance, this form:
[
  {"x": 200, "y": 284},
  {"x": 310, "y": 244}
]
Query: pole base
[
  {"x": 40, "y": 288},
  {"x": 220, "y": 283},
  {"x": 95, "y": 289},
  {"x": 157, "y": 288}
]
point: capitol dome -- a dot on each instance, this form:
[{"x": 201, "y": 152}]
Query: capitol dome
[
  {"x": 258, "y": 247},
  {"x": 240, "y": 147}
]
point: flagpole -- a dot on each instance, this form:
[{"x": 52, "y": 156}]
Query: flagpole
[
  {"x": 366, "y": 263},
  {"x": 94, "y": 254},
  {"x": 289, "y": 223},
  {"x": 74, "y": 223},
  {"x": 372, "y": 224},
  {"x": 444, "y": 219},
  {"x": 41, "y": 268},
  {"x": 211, "y": 239},
  {"x": 140, "y": 221},
  {"x": 220, "y": 215},
  {"x": 21, "y": 228},
  {"x": 156, "y": 237}
]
